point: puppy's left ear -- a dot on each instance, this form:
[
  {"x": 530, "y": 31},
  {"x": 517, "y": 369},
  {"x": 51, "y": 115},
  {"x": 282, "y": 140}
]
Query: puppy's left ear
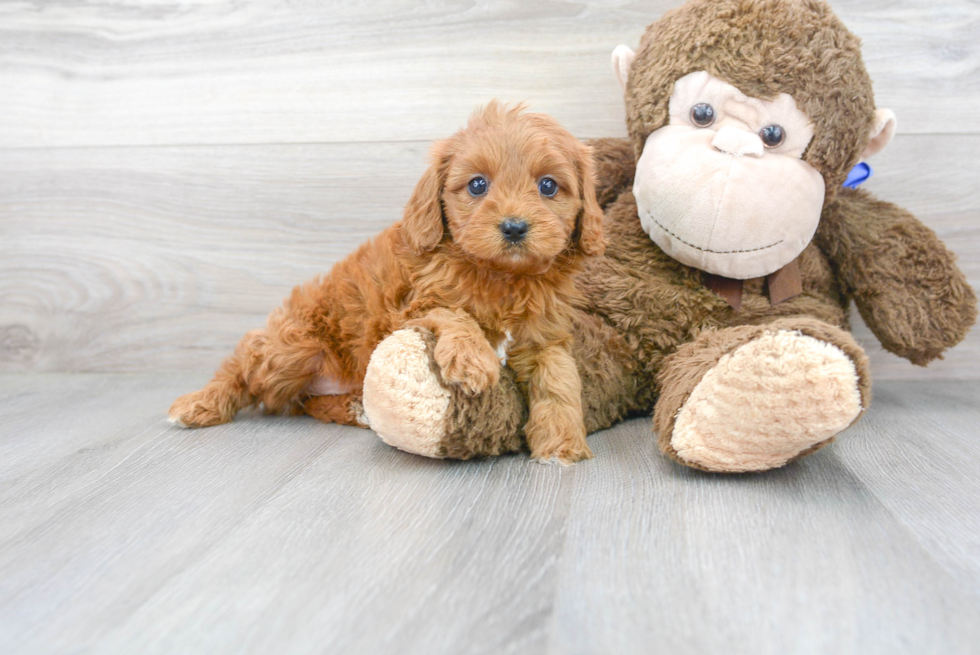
[
  {"x": 422, "y": 223},
  {"x": 590, "y": 237}
]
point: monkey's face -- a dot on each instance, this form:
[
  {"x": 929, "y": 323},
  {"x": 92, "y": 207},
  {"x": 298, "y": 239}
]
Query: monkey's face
[{"x": 723, "y": 187}]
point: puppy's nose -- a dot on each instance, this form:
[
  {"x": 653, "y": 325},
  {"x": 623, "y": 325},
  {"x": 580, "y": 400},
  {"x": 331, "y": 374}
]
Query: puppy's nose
[{"x": 514, "y": 229}]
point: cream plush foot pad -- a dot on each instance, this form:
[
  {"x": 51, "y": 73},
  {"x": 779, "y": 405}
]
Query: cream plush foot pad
[
  {"x": 766, "y": 402},
  {"x": 404, "y": 401}
]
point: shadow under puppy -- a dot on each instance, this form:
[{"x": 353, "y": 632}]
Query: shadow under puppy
[{"x": 484, "y": 257}]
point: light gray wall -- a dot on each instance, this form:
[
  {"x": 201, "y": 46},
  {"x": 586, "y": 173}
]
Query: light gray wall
[{"x": 169, "y": 170}]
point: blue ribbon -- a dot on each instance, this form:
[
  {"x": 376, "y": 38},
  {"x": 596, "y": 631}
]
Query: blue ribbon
[{"x": 858, "y": 174}]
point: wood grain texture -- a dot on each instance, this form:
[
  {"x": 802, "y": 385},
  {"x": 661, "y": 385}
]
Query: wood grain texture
[
  {"x": 216, "y": 71},
  {"x": 799, "y": 560},
  {"x": 159, "y": 256},
  {"x": 140, "y": 259},
  {"x": 120, "y": 534},
  {"x": 919, "y": 477}
]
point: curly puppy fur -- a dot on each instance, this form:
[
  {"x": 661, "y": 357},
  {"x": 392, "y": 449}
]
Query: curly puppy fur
[{"x": 446, "y": 267}]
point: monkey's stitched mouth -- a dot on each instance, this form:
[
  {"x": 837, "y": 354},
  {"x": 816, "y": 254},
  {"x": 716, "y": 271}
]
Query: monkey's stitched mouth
[{"x": 714, "y": 252}]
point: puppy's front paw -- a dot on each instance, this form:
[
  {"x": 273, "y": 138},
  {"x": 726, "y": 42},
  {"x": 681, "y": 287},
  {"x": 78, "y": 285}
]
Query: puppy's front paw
[
  {"x": 566, "y": 452},
  {"x": 557, "y": 438},
  {"x": 474, "y": 366},
  {"x": 196, "y": 410}
]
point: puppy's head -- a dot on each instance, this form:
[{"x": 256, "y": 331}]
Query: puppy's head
[{"x": 512, "y": 190}]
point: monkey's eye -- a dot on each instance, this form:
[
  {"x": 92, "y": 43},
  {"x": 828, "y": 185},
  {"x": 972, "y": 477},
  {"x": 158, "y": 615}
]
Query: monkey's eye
[
  {"x": 548, "y": 187},
  {"x": 702, "y": 114},
  {"x": 477, "y": 186},
  {"x": 772, "y": 136}
]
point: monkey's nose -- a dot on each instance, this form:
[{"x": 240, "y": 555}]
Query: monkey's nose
[
  {"x": 514, "y": 229},
  {"x": 737, "y": 142}
]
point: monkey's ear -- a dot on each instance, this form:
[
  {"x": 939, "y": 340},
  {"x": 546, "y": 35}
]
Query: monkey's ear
[
  {"x": 622, "y": 60},
  {"x": 422, "y": 223},
  {"x": 881, "y": 132},
  {"x": 591, "y": 240}
]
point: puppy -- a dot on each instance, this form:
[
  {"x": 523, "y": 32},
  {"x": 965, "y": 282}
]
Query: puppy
[{"x": 485, "y": 255}]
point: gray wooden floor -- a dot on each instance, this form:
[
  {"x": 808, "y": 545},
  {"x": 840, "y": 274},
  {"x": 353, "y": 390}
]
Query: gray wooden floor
[{"x": 121, "y": 534}]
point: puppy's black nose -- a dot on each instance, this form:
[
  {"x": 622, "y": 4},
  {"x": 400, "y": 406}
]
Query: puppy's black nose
[{"x": 514, "y": 229}]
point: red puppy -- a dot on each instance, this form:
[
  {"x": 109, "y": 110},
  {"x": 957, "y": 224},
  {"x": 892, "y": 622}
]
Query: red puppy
[{"x": 486, "y": 253}]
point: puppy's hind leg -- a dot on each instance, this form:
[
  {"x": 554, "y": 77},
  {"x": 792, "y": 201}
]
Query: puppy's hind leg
[
  {"x": 344, "y": 409},
  {"x": 272, "y": 366},
  {"x": 227, "y": 392}
]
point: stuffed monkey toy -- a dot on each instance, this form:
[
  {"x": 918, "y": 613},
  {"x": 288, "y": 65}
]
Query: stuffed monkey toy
[{"x": 734, "y": 252}]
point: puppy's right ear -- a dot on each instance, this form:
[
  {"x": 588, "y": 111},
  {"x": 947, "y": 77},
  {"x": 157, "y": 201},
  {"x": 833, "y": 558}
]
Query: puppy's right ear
[
  {"x": 590, "y": 235},
  {"x": 422, "y": 224}
]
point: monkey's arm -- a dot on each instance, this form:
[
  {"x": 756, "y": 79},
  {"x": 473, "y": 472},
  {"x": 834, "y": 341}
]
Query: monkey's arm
[
  {"x": 904, "y": 281},
  {"x": 615, "y": 165}
]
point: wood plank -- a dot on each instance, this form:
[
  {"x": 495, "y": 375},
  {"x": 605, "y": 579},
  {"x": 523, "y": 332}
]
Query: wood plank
[
  {"x": 919, "y": 456},
  {"x": 805, "y": 559},
  {"x": 134, "y": 251},
  {"x": 142, "y": 259},
  {"x": 269, "y": 534},
  {"x": 287, "y": 535},
  {"x": 118, "y": 73},
  {"x": 62, "y": 402},
  {"x": 394, "y": 555}
]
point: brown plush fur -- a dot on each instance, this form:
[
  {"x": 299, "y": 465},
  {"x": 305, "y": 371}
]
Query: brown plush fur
[
  {"x": 466, "y": 435},
  {"x": 446, "y": 267},
  {"x": 492, "y": 423},
  {"x": 904, "y": 281},
  {"x": 764, "y": 48},
  {"x": 614, "y": 168}
]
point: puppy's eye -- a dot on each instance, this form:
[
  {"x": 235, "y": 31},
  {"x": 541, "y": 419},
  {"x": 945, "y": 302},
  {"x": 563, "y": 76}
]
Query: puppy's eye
[
  {"x": 548, "y": 187},
  {"x": 477, "y": 186},
  {"x": 702, "y": 114},
  {"x": 772, "y": 136}
]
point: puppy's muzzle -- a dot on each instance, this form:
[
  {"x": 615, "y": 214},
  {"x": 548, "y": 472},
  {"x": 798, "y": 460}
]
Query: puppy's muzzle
[{"x": 513, "y": 229}]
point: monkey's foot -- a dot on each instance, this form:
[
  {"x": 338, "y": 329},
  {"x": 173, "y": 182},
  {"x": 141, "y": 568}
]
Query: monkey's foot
[
  {"x": 411, "y": 407},
  {"x": 753, "y": 398}
]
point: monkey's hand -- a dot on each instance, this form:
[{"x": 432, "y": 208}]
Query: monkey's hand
[
  {"x": 615, "y": 165},
  {"x": 904, "y": 281}
]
